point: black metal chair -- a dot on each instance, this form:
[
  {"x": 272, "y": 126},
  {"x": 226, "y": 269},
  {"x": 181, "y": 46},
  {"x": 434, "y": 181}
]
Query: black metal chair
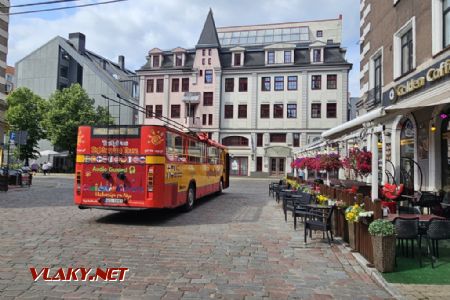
[
  {"x": 301, "y": 208},
  {"x": 272, "y": 187},
  {"x": 278, "y": 192},
  {"x": 319, "y": 221},
  {"x": 407, "y": 229},
  {"x": 438, "y": 229}
]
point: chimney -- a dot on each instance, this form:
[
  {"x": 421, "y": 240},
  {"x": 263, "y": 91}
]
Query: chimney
[
  {"x": 122, "y": 62},
  {"x": 78, "y": 40},
  {"x": 104, "y": 64}
]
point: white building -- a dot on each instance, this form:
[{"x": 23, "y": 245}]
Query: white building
[{"x": 262, "y": 90}]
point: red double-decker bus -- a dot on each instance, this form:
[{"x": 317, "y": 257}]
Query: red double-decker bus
[{"x": 142, "y": 167}]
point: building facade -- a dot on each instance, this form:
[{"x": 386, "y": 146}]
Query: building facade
[
  {"x": 4, "y": 21},
  {"x": 10, "y": 75},
  {"x": 403, "y": 112},
  {"x": 261, "y": 90},
  {"x": 62, "y": 62}
]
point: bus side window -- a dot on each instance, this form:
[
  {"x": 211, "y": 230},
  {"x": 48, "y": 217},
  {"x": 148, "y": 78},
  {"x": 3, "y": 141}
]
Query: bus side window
[
  {"x": 194, "y": 151},
  {"x": 174, "y": 147},
  {"x": 212, "y": 155}
]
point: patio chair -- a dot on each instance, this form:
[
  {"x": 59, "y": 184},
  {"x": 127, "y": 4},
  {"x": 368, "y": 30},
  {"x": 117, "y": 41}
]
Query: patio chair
[
  {"x": 301, "y": 208},
  {"x": 278, "y": 190},
  {"x": 438, "y": 229},
  {"x": 407, "y": 229},
  {"x": 272, "y": 187},
  {"x": 290, "y": 201},
  {"x": 319, "y": 221}
]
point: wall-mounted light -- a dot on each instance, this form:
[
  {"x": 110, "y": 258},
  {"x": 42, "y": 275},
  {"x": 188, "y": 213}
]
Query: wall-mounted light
[
  {"x": 433, "y": 128},
  {"x": 380, "y": 144}
]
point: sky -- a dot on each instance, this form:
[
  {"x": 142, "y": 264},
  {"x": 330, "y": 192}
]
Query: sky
[{"x": 133, "y": 27}]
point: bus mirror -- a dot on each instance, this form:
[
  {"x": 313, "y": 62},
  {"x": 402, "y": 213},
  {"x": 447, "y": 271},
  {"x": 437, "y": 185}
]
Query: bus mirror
[
  {"x": 121, "y": 176},
  {"x": 106, "y": 175}
]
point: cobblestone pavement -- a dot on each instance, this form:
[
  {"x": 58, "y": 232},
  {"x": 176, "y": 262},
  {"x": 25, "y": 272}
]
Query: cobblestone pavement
[
  {"x": 232, "y": 246},
  {"x": 423, "y": 291}
]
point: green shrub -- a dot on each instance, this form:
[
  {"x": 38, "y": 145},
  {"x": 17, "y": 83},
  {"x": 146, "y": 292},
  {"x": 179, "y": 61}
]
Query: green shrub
[{"x": 381, "y": 228}]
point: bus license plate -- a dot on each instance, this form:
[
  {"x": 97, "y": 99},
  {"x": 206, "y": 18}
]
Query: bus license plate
[{"x": 113, "y": 201}]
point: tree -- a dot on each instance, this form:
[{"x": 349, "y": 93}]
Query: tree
[
  {"x": 67, "y": 110},
  {"x": 26, "y": 112}
]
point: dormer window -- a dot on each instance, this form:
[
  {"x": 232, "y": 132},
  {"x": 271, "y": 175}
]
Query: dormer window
[
  {"x": 237, "y": 59},
  {"x": 178, "y": 60},
  {"x": 271, "y": 57},
  {"x": 156, "y": 61},
  {"x": 287, "y": 57},
  {"x": 317, "y": 55}
]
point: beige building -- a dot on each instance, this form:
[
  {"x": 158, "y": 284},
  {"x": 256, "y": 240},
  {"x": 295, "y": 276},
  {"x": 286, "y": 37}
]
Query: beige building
[
  {"x": 4, "y": 21},
  {"x": 261, "y": 90}
]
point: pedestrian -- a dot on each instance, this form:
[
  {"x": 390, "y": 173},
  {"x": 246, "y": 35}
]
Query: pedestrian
[{"x": 45, "y": 168}]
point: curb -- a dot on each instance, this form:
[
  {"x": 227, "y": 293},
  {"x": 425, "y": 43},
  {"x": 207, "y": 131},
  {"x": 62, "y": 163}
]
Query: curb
[{"x": 373, "y": 273}]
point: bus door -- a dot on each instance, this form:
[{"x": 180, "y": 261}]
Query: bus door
[{"x": 226, "y": 167}]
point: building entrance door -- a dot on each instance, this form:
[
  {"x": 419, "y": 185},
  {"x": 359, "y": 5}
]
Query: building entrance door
[
  {"x": 239, "y": 166},
  {"x": 277, "y": 166}
]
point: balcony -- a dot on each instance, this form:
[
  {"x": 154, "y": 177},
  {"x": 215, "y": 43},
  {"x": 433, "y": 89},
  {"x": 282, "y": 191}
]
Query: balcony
[
  {"x": 373, "y": 99},
  {"x": 192, "y": 122}
]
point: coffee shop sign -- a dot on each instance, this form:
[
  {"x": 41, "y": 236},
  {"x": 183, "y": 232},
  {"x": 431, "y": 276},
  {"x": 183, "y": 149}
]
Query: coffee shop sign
[{"x": 414, "y": 84}]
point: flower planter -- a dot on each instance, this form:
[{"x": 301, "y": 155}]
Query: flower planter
[
  {"x": 352, "y": 235},
  {"x": 384, "y": 253},
  {"x": 392, "y": 205}
]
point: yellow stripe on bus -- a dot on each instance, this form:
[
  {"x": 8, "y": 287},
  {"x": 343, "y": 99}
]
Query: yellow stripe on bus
[{"x": 155, "y": 160}]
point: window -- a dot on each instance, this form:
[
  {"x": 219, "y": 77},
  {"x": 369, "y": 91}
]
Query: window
[
  {"x": 155, "y": 61},
  {"x": 158, "y": 110},
  {"x": 229, "y": 84},
  {"x": 175, "y": 111},
  {"x": 270, "y": 57},
  {"x": 316, "y": 82},
  {"x": 242, "y": 111},
  {"x": 204, "y": 116},
  {"x": 287, "y": 57},
  {"x": 296, "y": 140},
  {"x": 178, "y": 60},
  {"x": 201, "y": 73},
  {"x": 316, "y": 110},
  {"x": 331, "y": 82},
  {"x": 185, "y": 85},
  {"x": 175, "y": 84},
  {"x": 208, "y": 76},
  {"x": 235, "y": 141},
  {"x": 377, "y": 79},
  {"x": 319, "y": 33},
  {"x": 278, "y": 111},
  {"x": 317, "y": 55},
  {"x": 149, "y": 111},
  {"x": 279, "y": 83},
  {"x": 209, "y": 61},
  {"x": 228, "y": 111},
  {"x": 265, "y": 84},
  {"x": 237, "y": 59},
  {"x": 174, "y": 147},
  {"x": 243, "y": 84},
  {"x": 278, "y": 137},
  {"x": 292, "y": 83},
  {"x": 209, "y": 52},
  {"x": 292, "y": 111},
  {"x": 150, "y": 85},
  {"x": 207, "y": 99},
  {"x": 210, "y": 119},
  {"x": 64, "y": 71},
  {"x": 259, "y": 139},
  {"x": 259, "y": 161},
  {"x": 159, "y": 85},
  {"x": 265, "y": 111},
  {"x": 407, "y": 52},
  {"x": 446, "y": 22},
  {"x": 331, "y": 110},
  {"x": 203, "y": 52},
  {"x": 203, "y": 61},
  {"x": 195, "y": 151}
]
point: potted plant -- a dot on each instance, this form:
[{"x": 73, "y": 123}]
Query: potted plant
[
  {"x": 383, "y": 242},
  {"x": 352, "y": 216}
]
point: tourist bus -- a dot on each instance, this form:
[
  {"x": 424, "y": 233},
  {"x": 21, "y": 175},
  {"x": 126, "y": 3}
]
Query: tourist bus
[{"x": 143, "y": 167}]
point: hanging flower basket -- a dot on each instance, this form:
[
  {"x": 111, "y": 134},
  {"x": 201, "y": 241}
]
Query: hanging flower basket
[{"x": 359, "y": 161}]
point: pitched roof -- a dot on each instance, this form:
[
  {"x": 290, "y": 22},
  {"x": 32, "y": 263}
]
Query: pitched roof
[{"x": 208, "y": 37}]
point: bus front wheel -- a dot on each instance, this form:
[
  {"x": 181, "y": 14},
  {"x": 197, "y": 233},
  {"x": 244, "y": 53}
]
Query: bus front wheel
[{"x": 190, "y": 199}]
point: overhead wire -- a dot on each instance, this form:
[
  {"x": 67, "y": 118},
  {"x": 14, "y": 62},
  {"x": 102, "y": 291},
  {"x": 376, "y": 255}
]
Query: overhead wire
[
  {"x": 41, "y": 3},
  {"x": 60, "y": 8}
]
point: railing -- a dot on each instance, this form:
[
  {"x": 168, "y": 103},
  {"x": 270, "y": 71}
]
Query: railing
[
  {"x": 372, "y": 101},
  {"x": 192, "y": 122}
]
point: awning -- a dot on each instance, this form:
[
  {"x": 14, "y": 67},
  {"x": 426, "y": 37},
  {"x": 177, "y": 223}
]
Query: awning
[
  {"x": 191, "y": 97},
  {"x": 437, "y": 97},
  {"x": 354, "y": 124}
]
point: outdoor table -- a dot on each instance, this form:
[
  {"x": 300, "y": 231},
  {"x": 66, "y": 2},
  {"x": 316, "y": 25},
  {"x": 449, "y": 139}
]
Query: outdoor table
[
  {"x": 422, "y": 218},
  {"x": 445, "y": 205}
]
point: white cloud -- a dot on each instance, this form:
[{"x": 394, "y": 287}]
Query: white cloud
[{"x": 132, "y": 28}]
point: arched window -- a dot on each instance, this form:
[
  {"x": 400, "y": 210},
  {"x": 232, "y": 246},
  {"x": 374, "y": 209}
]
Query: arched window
[
  {"x": 235, "y": 141},
  {"x": 407, "y": 148}
]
